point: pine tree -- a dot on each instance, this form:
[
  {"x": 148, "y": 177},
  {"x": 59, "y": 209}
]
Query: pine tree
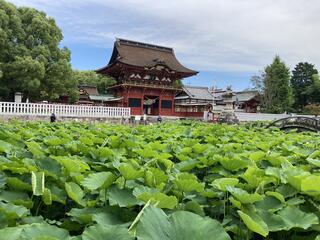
[
  {"x": 301, "y": 81},
  {"x": 277, "y": 91}
]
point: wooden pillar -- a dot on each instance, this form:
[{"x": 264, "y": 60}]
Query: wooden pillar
[
  {"x": 160, "y": 104},
  {"x": 172, "y": 104},
  {"x": 142, "y": 98}
]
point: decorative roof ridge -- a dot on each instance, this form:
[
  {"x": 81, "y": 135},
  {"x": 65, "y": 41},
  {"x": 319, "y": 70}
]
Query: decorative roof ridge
[
  {"x": 199, "y": 87},
  {"x": 143, "y": 45}
]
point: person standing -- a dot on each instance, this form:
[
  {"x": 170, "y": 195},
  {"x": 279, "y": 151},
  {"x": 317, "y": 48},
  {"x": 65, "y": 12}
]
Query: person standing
[{"x": 53, "y": 118}]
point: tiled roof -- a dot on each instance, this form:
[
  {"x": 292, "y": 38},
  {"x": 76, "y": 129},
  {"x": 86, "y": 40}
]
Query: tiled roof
[
  {"x": 246, "y": 95},
  {"x": 198, "y": 92},
  {"x": 145, "y": 55}
]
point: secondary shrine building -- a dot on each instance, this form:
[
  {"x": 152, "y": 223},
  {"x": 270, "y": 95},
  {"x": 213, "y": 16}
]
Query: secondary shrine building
[{"x": 147, "y": 77}]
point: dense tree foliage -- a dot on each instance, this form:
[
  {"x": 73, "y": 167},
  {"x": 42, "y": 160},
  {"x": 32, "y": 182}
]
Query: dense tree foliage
[
  {"x": 31, "y": 61},
  {"x": 301, "y": 81},
  {"x": 277, "y": 91},
  {"x": 92, "y": 78}
]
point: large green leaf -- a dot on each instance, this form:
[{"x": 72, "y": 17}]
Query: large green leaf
[
  {"x": 18, "y": 198},
  {"x": 13, "y": 211},
  {"x": 243, "y": 196},
  {"x": 154, "y": 177},
  {"x": 3, "y": 180},
  {"x": 5, "y": 147},
  {"x": 38, "y": 231},
  {"x": 222, "y": 183},
  {"x": 162, "y": 200},
  {"x": 122, "y": 197},
  {"x": 75, "y": 192},
  {"x": 295, "y": 218},
  {"x": 154, "y": 224},
  {"x": 11, "y": 233},
  {"x": 254, "y": 223},
  {"x": 310, "y": 185},
  {"x": 99, "y": 232},
  {"x": 35, "y": 149},
  {"x": 129, "y": 172},
  {"x": 73, "y": 164},
  {"x": 98, "y": 180},
  {"x": 188, "y": 185}
]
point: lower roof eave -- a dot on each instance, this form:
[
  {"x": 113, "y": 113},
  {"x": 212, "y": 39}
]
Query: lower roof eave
[{"x": 144, "y": 86}]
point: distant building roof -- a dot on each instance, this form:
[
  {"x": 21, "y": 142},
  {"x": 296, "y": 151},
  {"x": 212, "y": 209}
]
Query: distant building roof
[
  {"x": 198, "y": 92},
  {"x": 89, "y": 89},
  {"x": 245, "y": 96},
  {"x": 104, "y": 98},
  {"x": 145, "y": 55}
]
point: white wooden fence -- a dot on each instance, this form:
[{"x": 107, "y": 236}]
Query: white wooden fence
[
  {"x": 39, "y": 109},
  {"x": 251, "y": 117}
]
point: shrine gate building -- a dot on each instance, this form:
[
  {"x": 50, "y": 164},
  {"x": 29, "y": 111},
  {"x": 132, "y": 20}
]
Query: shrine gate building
[{"x": 148, "y": 77}]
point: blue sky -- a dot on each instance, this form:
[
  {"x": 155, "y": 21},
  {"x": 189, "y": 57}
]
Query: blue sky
[{"x": 227, "y": 41}]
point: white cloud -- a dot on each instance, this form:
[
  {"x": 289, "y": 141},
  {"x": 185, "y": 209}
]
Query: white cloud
[{"x": 215, "y": 35}]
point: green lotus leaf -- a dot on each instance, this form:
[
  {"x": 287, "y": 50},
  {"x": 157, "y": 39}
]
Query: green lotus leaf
[
  {"x": 295, "y": 201},
  {"x": 243, "y": 196},
  {"x": 37, "y": 231},
  {"x": 257, "y": 156},
  {"x": 254, "y": 176},
  {"x": 195, "y": 207},
  {"x": 187, "y": 165},
  {"x": 17, "y": 198},
  {"x": 287, "y": 190},
  {"x": 254, "y": 223},
  {"x": 86, "y": 141},
  {"x": 310, "y": 185},
  {"x": 274, "y": 222},
  {"x": 294, "y": 217},
  {"x": 162, "y": 200},
  {"x": 98, "y": 180},
  {"x": 234, "y": 162},
  {"x": 75, "y": 192},
  {"x": 154, "y": 224},
  {"x": 222, "y": 183},
  {"x": 100, "y": 232},
  {"x": 122, "y": 197},
  {"x": 83, "y": 215},
  {"x": 314, "y": 162},
  {"x": 129, "y": 172},
  {"x": 13, "y": 211},
  {"x": 35, "y": 149},
  {"x": 315, "y": 154},
  {"x": 269, "y": 203},
  {"x": 277, "y": 195},
  {"x": 154, "y": 177},
  {"x": 11, "y": 233},
  {"x": 55, "y": 141},
  {"x": 5, "y": 147},
  {"x": 188, "y": 185},
  {"x": 235, "y": 203},
  {"x": 3, "y": 180},
  {"x": 72, "y": 164},
  {"x": 17, "y": 184}
]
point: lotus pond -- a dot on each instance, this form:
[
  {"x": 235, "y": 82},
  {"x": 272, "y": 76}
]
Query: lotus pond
[{"x": 172, "y": 181}]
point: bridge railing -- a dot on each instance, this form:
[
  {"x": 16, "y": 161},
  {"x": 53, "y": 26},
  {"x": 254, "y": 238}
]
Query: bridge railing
[{"x": 40, "y": 109}]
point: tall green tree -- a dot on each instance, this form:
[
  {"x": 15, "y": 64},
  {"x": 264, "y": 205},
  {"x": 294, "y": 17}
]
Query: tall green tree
[
  {"x": 92, "y": 78},
  {"x": 31, "y": 60},
  {"x": 277, "y": 91},
  {"x": 312, "y": 91},
  {"x": 301, "y": 80}
]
